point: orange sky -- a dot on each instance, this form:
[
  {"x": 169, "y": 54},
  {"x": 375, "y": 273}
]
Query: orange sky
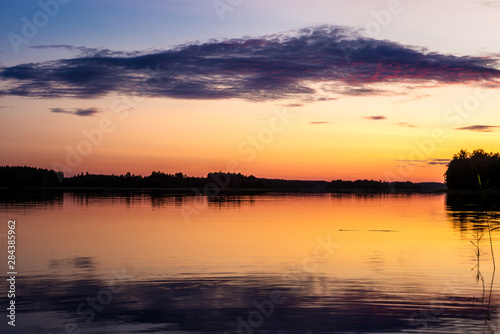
[{"x": 324, "y": 140}]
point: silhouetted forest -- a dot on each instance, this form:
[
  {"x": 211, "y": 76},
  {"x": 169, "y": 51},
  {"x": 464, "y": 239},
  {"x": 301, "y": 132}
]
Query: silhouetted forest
[
  {"x": 212, "y": 184},
  {"x": 28, "y": 177},
  {"x": 464, "y": 168},
  {"x": 383, "y": 186}
]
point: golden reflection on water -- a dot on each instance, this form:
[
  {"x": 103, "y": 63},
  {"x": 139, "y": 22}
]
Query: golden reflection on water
[{"x": 380, "y": 236}]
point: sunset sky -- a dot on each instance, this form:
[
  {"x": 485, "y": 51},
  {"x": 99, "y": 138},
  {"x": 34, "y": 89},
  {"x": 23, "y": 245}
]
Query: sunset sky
[{"x": 320, "y": 89}]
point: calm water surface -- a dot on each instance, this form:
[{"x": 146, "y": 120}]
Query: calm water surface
[{"x": 147, "y": 263}]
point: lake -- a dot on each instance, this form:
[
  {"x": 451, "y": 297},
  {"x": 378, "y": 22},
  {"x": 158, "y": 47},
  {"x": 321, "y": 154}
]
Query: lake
[{"x": 277, "y": 263}]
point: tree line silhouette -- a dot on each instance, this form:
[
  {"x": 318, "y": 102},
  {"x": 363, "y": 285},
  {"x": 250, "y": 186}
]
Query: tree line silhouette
[
  {"x": 383, "y": 186},
  {"x": 19, "y": 177},
  {"x": 461, "y": 174},
  {"x": 28, "y": 177},
  {"x": 159, "y": 179}
]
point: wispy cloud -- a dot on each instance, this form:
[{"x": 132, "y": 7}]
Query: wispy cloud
[
  {"x": 441, "y": 162},
  {"x": 77, "y": 111},
  {"x": 414, "y": 98},
  {"x": 404, "y": 124},
  {"x": 490, "y": 3},
  {"x": 85, "y": 51},
  {"x": 424, "y": 162},
  {"x": 311, "y": 64},
  {"x": 375, "y": 118},
  {"x": 479, "y": 128},
  {"x": 80, "y": 49},
  {"x": 319, "y": 122}
]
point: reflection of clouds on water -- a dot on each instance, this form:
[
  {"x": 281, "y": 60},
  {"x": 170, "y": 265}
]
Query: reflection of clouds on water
[{"x": 322, "y": 304}]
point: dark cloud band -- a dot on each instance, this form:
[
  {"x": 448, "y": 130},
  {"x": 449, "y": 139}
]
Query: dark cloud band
[{"x": 317, "y": 63}]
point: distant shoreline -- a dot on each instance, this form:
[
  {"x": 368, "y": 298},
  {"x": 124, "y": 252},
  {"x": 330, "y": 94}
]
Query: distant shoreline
[
  {"x": 23, "y": 177},
  {"x": 222, "y": 191}
]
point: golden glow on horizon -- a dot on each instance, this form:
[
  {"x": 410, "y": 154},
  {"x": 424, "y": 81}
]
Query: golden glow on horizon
[{"x": 326, "y": 140}]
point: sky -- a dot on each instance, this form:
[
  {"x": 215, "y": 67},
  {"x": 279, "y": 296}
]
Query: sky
[{"x": 321, "y": 89}]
